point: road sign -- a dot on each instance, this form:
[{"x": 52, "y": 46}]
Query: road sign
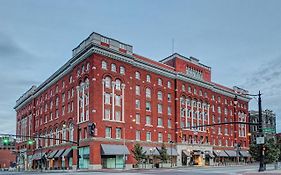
[
  {"x": 268, "y": 130},
  {"x": 260, "y": 140}
]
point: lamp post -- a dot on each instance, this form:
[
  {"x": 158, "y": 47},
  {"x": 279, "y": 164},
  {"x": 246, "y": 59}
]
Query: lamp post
[
  {"x": 235, "y": 129},
  {"x": 171, "y": 153},
  {"x": 77, "y": 142}
]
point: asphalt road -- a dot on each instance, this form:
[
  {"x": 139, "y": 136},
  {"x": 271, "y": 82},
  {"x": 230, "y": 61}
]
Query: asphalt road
[{"x": 235, "y": 170}]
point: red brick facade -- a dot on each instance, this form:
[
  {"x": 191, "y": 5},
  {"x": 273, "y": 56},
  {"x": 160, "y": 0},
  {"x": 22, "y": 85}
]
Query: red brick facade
[{"x": 90, "y": 88}]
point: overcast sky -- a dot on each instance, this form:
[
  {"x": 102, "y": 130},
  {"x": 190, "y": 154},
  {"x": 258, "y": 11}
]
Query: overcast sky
[{"x": 240, "y": 40}]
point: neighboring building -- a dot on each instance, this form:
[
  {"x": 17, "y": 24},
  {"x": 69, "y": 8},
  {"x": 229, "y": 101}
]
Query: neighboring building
[
  {"x": 7, "y": 154},
  {"x": 269, "y": 124},
  {"x": 129, "y": 97}
]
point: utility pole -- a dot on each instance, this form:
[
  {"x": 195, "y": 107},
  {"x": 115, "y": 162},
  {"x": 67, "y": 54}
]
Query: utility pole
[{"x": 262, "y": 165}]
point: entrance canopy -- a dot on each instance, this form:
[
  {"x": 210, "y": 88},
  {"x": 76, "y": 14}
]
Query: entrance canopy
[
  {"x": 107, "y": 149},
  {"x": 150, "y": 151},
  {"x": 245, "y": 154}
]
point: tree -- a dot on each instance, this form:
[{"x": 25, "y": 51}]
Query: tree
[
  {"x": 272, "y": 151},
  {"x": 163, "y": 153},
  {"x": 139, "y": 155}
]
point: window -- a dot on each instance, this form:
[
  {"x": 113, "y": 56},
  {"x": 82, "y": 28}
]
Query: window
[
  {"x": 137, "y": 135},
  {"x": 169, "y": 110},
  {"x": 160, "y": 137},
  {"x": 88, "y": 67},
  {"x": 148, "y": 120},
  {"x": 57, "y": 113},
  {"x": 219, "y": 109},
  {"x": 189, "y": 89},
  {"x": 137, "y": 90},
  {"x": 169, "y": 84},
  {"x": 169, "y": 123},
  {"x": 108, "y": 82},
  {"x": 159, "y": 82},
  {"x": 159, "y": 95},
  {"x": 148, "y": 78},
  {"x": 122, "y": 70},
  {"x": 113, "y": 67},
  {"x": 200, "y": 93},
  {"x": 63, "y": 135},
  {"x": 183, "y": 88},
  {"x": 219, "y": 99},
  {"x": 57, "y": 101},
  {"x": 137, "y": 118},
  {"x": 71, "y": 132},
  {"x": 104, "y": 65},
  {"x": 169, "y": 137},
  {"x": 118, "y": 84},
  {"x": 137, "y": 75},
  {"x": 51, "y": 136},
  {"x": 148, "y": 93},
  {"x": 148, "y": 136},
  {"x": 194, "y": 91},
  {"x": 57, "y": 136},
  {"x": 118, "y": 100},
  {"x": 107, "y": 114},
  {"x": 160, "y": 122},
  {"x": 137, "y": 104},
  {"x": 107, "y": 98},
  {"x": 117, "y": 115},
  {"x": 148, "y": 106},
  {"x": 159, "y": 107},
  {"x": 107, "y": 132},
  {"x": 118, "y": 133},
  {"x": 70, "y": 79},
  {"x": 169, "y": 97}
]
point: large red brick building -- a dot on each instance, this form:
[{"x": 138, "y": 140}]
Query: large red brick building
[{"x": 131, "y": 99}]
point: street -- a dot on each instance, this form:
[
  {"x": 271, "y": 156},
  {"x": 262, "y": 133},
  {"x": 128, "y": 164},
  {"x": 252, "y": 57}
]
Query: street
[{"x": 238, "y": 170}]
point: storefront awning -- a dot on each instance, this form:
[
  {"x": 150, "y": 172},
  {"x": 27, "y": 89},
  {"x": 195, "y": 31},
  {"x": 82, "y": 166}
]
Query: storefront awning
[
  {"x": 38, "y": 155},
  {"x": 59, "y": 153},
  {"x": 245, "y": 154},
  {"x": 170, "y": 151},
  {"x": 150, "y": 151},
  {"x": 187, "y": 153},
  {"x": 220, "y": 153},
  {"x": 231, "y": 153},
  {"x": 210, "y": 155},
  {"x": 52, "y": 154},
  {"x": 107, "y": 149},
  {"x": 67, "y": 153}
]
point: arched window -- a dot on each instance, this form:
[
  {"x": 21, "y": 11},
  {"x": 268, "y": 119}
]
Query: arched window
[
  {"x": 169, "y": 84},
  {"x": 148, "y": 78},
  {"x": 104, "y": 65},
  {"x": 148, "y": 93},
  {"x": 57, "y": 136},
  {"x": 137, "y": 75},
  {"x": 88, "y": 67},
  {"x": 71, "y": 131},
  {"x": 118, "y": 84},
  {"x": 51, "y": 138},
  {"x": 108, "y": 82},
  {"x": 63, "y": 134},
  {"x": 159, "y": 95},
  {"x": 113, "y": 67},
  {"x": 122, "y": 70},
  {"x": 159, "y": 82}
]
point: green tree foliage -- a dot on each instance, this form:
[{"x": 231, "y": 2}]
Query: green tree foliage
[
  {"x": 163, "y": 153},
  {"x": 139, "y": 155},
  {"x": 272, "y": 151}
]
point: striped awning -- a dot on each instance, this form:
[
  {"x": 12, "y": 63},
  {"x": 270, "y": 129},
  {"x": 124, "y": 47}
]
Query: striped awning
[
  {"x": 59, "y": 153},
  {"x": 220, "y": 153},
  {"x": 231, "y": 153},
  {"x": 52, "y": 154},
  {"x": 245, "y": 154},
  {"x": 150, "y": 151},
  {"x": 170, "y": 151}
]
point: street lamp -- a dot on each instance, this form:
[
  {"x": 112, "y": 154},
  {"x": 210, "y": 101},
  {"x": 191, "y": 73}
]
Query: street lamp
[
  {"x": 77, "y": 142},
  {"x": 171, "y": 153}
]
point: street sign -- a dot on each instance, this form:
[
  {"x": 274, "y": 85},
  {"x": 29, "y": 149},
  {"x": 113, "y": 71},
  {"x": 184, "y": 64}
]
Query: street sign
[
  {"x": 74, "y": 147},
  {"x": 268, "y": 130},
  {"x": 260, "y": 140}
]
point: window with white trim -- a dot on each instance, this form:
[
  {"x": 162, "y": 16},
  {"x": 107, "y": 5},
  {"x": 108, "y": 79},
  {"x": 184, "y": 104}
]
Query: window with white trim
[
  {"x": 160, "y": 122},
  {"x": 148, "y": 78},
  {"x": 104, "y": 65},
  {"x": 148, "y": 136},
  {"x": 160, "y": 82},
  {"x": 160, "y": 137},
  {"x": 160, "y": 108},
  {"x": 137, "y": 75},
  {"x": 148, "y": 120},
  {"x": 137, "y": 135},
  {"x": 148, "y": 106},
  {"x": 122, "y": 70},
  {"x": 107, "y": 114},
  {"x": 137, "y": 104},
  {"x": 169, "y": 84},
  {"x": 118, "y": 84},
  {"x": 108, "y": 132},
  {"x": 159, "y": 95},
  {"x": 107, "y": 98},
  {"x": 113, "y": 67},
  {"x": 118, "y": 133},
  {"x": 148, "y": 93},
  {"x": 137, "y": 90},
  {"x": 118, "y": 100}
]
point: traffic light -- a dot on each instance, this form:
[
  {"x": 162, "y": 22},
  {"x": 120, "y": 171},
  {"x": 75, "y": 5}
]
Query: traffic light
[
  {"x": 91, "y": 129},
  {"x": 5, "y": 140},
  {"x": 30, "y": 142}
]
